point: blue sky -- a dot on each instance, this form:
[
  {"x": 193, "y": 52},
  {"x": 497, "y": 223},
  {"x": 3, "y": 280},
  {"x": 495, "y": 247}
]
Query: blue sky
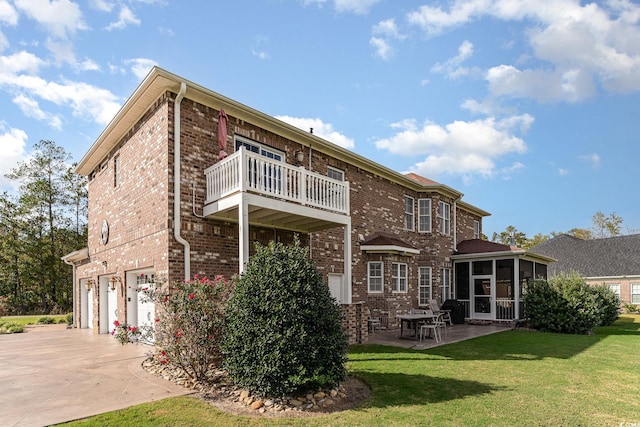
[{"x": 530, "y": 108}]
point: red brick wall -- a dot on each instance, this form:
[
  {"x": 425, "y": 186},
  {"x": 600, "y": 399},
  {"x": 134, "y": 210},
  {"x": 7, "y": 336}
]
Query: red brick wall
[{"x": 140, "y": 211}]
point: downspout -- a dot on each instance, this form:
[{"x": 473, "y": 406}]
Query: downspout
[
  {"x": 73, "y": 280},
  {"x": 177, "y": 223}
]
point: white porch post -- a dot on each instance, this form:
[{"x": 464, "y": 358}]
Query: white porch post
[
  {"x": 347, "y": 259},
  {"x": 516, "y": 288},
  {"x": 243, "y": 226}
]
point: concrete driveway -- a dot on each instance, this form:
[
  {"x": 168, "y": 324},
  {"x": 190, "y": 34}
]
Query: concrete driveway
[{"x": 52, "y": 374}]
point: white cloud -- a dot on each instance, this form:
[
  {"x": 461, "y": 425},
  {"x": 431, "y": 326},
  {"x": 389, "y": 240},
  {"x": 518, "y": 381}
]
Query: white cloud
[
  {"x": 8, "y": 14},
  {"x": 103, "y": 5},
  {"x": 83, "y": 99},
  {"x": 60, "y": 17},
  {"x": 452, "y": 67},
  {"x": 592, "y": 159},
  {"x": 563, "y": 172},
  {"x": 62, "y": 51},
  {"x": 126, "y": 17},
  {"x": 458, "y": 148},
  {"x": 21, "y": 62},
  {"x": 30, "y": 108},
  {"x": 382, "y": 48},
  {"x": 321, "y": 129},
  {"x": 140, "y": 67},
  {"x": 575, "y": 45},
  {"x": 353, "y": 6},
  {"x": 87, "y": 65},
  {"x": 13, "y": 143}
]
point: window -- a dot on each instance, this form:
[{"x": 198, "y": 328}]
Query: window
[
  {"x": 375, "y": 276},
  {"x": 263, "y": 150},
  {"x": 424, "y": 285},
  {"x": 476, "y": 229},
  {"x": 615, "y": 287},
  {"x": 424, "y": 215},
  {"x": 635, "y": 293},
  {"x": 116, "y": 170},
  {"x": 408, "y": 212},
  {"x": 334, "y": 173},
  {"x": 398, "y": 277},
  {"x": 445, "y": 284},
  {"x": 444, "y": 213}
]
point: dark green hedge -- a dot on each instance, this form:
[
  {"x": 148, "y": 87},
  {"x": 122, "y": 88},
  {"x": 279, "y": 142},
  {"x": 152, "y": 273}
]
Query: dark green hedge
[
  {"x": 284, "y": 330},
  {"x": 567, "y": 304}
]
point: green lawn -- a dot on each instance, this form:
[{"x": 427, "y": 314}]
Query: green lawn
[
  {"x": 32, "y": 320},
  {"x": 522, "y": 378}
]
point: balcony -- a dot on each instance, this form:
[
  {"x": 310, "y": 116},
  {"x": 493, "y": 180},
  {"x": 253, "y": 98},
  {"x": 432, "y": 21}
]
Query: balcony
[{"x": 276, "y": 194}]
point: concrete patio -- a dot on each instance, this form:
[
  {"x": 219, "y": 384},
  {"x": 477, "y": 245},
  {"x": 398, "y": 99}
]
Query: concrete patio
[{"x": 455, "y": 333}]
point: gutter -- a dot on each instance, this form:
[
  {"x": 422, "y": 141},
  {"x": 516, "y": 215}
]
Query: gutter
[{"x": 177, "y": 223}]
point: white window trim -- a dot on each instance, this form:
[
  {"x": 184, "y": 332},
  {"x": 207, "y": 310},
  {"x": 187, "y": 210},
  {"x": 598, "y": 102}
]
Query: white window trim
[
  {"x": 412, "y": 213},
  {"x": 396, "y": 278},
  {"x": 261, "y": 147},
  {"x": 428, "y": 229},
  {"x": 445, "y": 284},
  {"x": 445, "y": 218},
  {"x": 381, "y": 277},
  {"x": 631, "y": 293},
  {"x": 476, "y": 229},
  {"x": 422, "y": 285},
  {"x": 335, "y": 171}
]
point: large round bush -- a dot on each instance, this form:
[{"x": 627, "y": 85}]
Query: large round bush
[
  {"x": 567, "y": 304},
  {"x": 284, "y": 330}
]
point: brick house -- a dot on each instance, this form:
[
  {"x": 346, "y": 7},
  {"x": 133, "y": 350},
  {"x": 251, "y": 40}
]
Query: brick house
[
  {"x": 165, "y": 204},
  {"x": 612, "y": 261}
]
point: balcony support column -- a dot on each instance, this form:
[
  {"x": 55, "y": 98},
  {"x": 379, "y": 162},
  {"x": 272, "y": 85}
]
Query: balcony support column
[
  {"x": 347, "y": 259},
  {"x": 243, "y": 226}
]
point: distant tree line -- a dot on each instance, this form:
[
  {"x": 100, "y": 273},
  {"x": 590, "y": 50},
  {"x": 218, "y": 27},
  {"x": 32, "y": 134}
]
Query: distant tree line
[
  {"x": 45, "y": 220},
  {"x": 603, "y": 226}
]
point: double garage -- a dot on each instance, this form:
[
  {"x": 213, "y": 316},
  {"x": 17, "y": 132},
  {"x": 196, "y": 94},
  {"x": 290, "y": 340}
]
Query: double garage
[{"x": 107, "y": 300}]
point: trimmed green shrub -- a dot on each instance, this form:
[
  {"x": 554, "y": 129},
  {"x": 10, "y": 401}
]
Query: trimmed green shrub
[
  {"x": 284, "y": 331},
  {"x": 631, "y": 308},
  {"x": 10, "y": 327},
  {"x": 47, "y": 320},
  {"x": 567, "y": 304}
]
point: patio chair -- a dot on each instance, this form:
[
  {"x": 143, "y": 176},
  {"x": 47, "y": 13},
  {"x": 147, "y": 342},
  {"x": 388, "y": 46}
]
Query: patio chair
[
  {"x": 446, "y": 314},
  {"x": 430, "y": 326},
  {"x": 441, "y": 323},
  {"x": 374, "y": 322}
]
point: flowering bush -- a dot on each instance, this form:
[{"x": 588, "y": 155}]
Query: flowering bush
[
  {"x": 190, "y": 323},
  {"x": 125, "y": 333}
]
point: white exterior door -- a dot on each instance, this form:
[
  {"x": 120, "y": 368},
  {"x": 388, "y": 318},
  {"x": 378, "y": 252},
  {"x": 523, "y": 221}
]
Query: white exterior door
[
  {"x": 146, "y": 311},
  {"x": 87, "y": 320},
  {"x": 483, "y": 297},
  {"x": 112, "y": 307},
  {"x": 336, "y": 287}
]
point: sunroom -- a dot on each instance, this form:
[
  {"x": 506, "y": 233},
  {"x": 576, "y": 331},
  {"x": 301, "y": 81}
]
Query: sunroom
[{"x": 491, "y": 278}]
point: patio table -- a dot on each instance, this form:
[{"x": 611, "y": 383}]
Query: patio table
[{"x": 414, "y": 319}]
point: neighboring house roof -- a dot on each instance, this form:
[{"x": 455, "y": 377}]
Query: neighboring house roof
[
  {"x": 421, "y": 179},
  {"x": 158, "y": 81},
  {"x": 609, "y": 257},
  {"x": 385, "y": 243}
]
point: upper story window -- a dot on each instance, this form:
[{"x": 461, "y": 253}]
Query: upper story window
[
  {"x": 334, "y": 173},
  {"x": 375, "y": 276},
  {"x": 424, "y": 215},
  {"x": 408, "y": 212},
  {"x": 476, "y": 229},
  {"x": 116, "y": 170},
  {"x": 444, "y": 213},
  {"x": 257, "y": 148},
  {"x": 398, "y": 277}
]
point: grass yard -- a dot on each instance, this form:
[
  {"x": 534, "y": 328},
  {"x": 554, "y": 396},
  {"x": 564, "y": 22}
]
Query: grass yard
[
  {"x": 33, "y": 320},
  {"x": 522, "y": 378}
]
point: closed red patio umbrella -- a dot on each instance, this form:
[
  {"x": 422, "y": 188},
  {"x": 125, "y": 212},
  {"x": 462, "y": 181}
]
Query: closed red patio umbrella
[{"x": 222, "y": 133}]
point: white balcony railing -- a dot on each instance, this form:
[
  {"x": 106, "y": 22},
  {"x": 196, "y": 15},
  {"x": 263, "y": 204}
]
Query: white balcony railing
[{"x": 244, "y": 171}]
